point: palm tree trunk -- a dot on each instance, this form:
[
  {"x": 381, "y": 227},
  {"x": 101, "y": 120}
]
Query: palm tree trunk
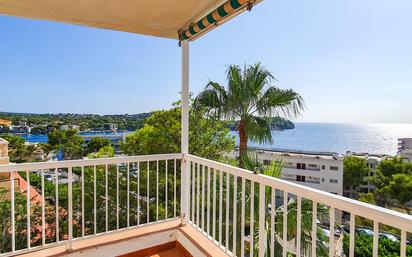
[{"x": 243, "y": 141}]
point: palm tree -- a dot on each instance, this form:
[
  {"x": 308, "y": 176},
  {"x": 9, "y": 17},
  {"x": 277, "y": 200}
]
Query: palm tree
[{"x": 251, "y": 98}]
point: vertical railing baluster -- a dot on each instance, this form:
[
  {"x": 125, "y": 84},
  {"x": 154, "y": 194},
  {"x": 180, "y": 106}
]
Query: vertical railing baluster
[
  {"x": 107, "y": 197},
  {"x": 375, "y": 238},
  {"x": 203, "y": 198},
  {"x": 285, "y": 224},
  {"x": 214, "y": 206},
  {"x": 234, "y": 213},
  {"x": 127, "y": 194},
  {"x": 174, "y": 191},
  {"x": 262, "y": 210},
  {"x": 272, "y": 222},
  {"x": 314, "y": 226},
  {"x": 117, "y": 196},
  {"x": 208, "y": 202},
  {"x": 403, "y": 243},
  {"x": 299, "y": 223},
  {"x": 43, "y": 211},
  {"x": 220, "y": 206},
  {"x": 352, "y": 235},
  {"x": 227, "y": 209},
  {"x": 242, "y": 220},
  {"x": 57, "y": 206},
  {"x": 138, "y": 193},
  {"x": 166, "y": 182},
  {"x": 13, "y": 225},
  {"x": 198, "y": 196},
  {"x": 148, "y": 192},
  {"x": 83, "y": 218},
  {"x": 94, "y": 201},
  {"x": 70, "y": 196},
  {"x": 157, "y": 190},
  {"x": 193, "y": 183},
  {"x": 28, "y": 209},
  {"x": 252, "y": 217},
  {"x": 331, "y": 231},
  {"x": 189, "y": 183}
]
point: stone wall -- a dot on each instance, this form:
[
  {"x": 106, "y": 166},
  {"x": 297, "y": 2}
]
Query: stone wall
[{"x": 4, "y": 157}]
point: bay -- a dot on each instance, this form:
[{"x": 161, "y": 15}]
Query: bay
[{"x": 376, "y": 138}]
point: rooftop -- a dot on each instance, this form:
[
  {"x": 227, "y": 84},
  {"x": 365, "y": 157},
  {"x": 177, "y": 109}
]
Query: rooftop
[{"x": 300, "y": 153}]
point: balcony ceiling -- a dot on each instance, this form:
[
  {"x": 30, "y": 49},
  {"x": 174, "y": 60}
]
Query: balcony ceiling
[{"x": 162, "y": 18}]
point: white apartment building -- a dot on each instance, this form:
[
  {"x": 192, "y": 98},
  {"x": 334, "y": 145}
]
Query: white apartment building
[
  {"x": 319, "y": 170},
  {"x": 405, "y": 148}
]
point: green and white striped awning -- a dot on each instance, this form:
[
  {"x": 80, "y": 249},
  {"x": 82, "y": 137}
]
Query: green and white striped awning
[{"x": 221, "y": 13}]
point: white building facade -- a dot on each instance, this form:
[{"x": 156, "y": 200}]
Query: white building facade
[{"x": 319, "y": 170}]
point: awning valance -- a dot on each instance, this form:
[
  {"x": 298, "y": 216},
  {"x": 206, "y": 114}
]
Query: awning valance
[{"x": 224, "y": 11}]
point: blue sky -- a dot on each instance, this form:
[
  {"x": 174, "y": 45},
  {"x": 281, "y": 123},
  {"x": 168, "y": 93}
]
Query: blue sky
[{"x": 351, "y": 61}]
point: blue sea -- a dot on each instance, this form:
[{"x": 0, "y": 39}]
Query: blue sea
[
  {"x": 43, "y": 138},
  {"x": 330, "y": 137},
  {"x": 379, "y": 138}
]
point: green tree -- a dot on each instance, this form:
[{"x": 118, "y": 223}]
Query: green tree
[
  {"x": 364, "y": 246},
  {"x": 162, "y": 134},
  {"x": 96, "y": 143},
  {"x": 69, "y": 142},
  {"x": 18, "y": 150},
  {"x": 104, "y": 152},
  {"x": 393, "y": 183},
  {"x": 250, "y": 97},
  {"x": 367, "y": 198},
  {"x": 355, "y": 170}
]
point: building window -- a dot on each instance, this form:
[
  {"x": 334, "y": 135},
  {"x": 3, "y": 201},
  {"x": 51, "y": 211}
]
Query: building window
[
  {"x": 371, "y": 174},
  {"x": 301, "y": 166},
  {"x": 334, "y": 168},
  {"x": 300, "y": 178},
  {"x": 323, "y": 167},
  {"x": 267, "y": 162},
  {"x": 323, "y": 180},
  {"x": 333, "y": 181},
  {"x": 312, "y": 165}
]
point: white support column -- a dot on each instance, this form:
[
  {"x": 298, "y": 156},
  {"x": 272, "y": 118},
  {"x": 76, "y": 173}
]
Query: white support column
[{"x": 185, "y": 132}]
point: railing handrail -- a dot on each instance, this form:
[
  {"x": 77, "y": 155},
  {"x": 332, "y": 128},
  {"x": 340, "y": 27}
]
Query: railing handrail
[
  {"x": 382, "y": 215},
  {"x": 86, "y": 162}
]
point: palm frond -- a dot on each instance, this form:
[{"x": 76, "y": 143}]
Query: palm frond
[
  {"x": 258, "y": 129},
  {"x": 280, "y": 102}
]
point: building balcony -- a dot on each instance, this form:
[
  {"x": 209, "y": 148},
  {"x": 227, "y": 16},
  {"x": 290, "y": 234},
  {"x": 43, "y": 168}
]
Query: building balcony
[{"x": 197, "y": 207}]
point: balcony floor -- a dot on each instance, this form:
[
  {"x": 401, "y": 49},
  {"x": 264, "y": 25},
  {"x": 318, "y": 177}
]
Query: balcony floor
[
  {"x": 168, "y": 253},
  {"x": 165, "y": 239}
]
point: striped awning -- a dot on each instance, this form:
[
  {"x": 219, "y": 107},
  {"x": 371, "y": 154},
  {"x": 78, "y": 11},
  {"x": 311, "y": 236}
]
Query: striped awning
[
  {"x": 214, "y": 18},
  {"x": 176, "y": 19}
]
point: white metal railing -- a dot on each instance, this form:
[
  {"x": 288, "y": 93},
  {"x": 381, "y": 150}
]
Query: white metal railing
[
  {"x": 54, "y": 203},
  {"x": 247, "y": 214}
]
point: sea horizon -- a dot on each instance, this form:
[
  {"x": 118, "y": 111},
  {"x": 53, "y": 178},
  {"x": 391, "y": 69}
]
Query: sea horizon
[{"x": 339, "y": 137}]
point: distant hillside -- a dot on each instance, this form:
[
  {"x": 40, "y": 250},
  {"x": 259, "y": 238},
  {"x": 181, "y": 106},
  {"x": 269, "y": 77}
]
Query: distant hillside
[
  {"x": 43, "y": 123},
  {"x": 276, "y": 123}
]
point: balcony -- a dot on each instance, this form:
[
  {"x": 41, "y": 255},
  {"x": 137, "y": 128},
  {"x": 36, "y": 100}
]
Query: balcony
[{"x": 132, "y": 206}]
